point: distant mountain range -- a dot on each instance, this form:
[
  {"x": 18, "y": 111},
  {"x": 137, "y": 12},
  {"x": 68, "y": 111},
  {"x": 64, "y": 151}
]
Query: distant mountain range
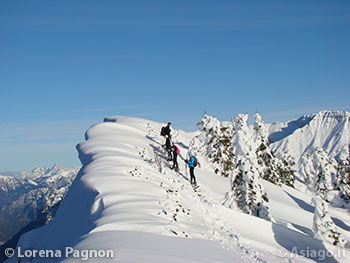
[{"x": 26, "y": 196}]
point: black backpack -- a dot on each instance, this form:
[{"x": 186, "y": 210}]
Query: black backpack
[{"x": 162, "y": 132}]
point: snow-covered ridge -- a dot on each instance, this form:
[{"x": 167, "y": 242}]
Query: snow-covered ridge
[
  {"x": 126, "y": 198},
  {"x": 121, "y": 196}
]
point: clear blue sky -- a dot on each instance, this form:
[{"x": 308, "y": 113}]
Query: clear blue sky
[{"x": 66, "y": 64}]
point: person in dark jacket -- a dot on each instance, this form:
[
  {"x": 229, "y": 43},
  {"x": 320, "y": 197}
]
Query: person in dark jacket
[
  {"x": 167, "y": 130},
  {"x": 168, "y": 147},
  {"x": 190, "y": 163},
  {"x": 175, "y": 153}
]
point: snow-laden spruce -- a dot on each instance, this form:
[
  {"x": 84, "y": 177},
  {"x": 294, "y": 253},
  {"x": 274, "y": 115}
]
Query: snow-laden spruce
[
  {"x": 319, "y": 171},
  {"x": 217, "y": 143},
  {"x": 323, "y": 226},
  {"x": 343, "y": 178},
  {"x": 246, "y": 191},
  {"x": 272, "y": 169}
]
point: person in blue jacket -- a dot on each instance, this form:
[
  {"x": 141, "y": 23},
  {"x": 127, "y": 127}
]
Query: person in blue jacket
[{"x": 191, "y": 162}]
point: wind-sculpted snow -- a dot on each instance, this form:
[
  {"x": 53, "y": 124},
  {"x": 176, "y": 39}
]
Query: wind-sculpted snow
[{"x": 128, "y": 200}]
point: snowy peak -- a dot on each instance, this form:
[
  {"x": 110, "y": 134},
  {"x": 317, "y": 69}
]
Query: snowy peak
[
  {"x": 38, "y": 171},
  {"x": 56, "y": 169},
  {"x": 333, "y": 116},
  {"x": 41, "y": 172},
  {"x": 323, "y": 119},
  {"x": 329, "y": 130}
]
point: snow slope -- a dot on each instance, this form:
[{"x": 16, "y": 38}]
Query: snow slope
[{"x": 126, "y": 198}]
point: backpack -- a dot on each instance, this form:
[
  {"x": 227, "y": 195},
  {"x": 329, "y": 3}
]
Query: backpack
[
  {"x": 195, "y": 161},
  {"x": 162, "y": 132},
  {"x": 177, "y": 150}
]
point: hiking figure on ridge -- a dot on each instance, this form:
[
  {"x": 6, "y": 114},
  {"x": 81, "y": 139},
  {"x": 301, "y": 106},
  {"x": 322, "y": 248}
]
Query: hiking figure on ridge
[
  {"x": 176, "y": 151},
  {"x": 168, "y": 147},
  {"x": 192, "y": 163},
  {"x": 165, "y": 131}
]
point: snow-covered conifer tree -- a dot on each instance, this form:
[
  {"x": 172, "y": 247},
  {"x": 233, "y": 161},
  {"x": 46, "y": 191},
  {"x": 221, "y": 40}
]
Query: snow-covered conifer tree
[
  {"x": 263, "y": 154},
  {"x": 343, "y": 177},
  {"x": 218, "y": 144},
  {"x": 321, "y": 185},
  {"x": 271, "y": 169},
  {"x": 323, "y": 226},
  {"x": 246, "y": 191},
  {"x": 319, "y": 171}
]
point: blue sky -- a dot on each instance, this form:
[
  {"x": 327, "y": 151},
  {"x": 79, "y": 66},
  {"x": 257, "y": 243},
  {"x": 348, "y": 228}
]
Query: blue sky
[{"x": 65, "y": 65}]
